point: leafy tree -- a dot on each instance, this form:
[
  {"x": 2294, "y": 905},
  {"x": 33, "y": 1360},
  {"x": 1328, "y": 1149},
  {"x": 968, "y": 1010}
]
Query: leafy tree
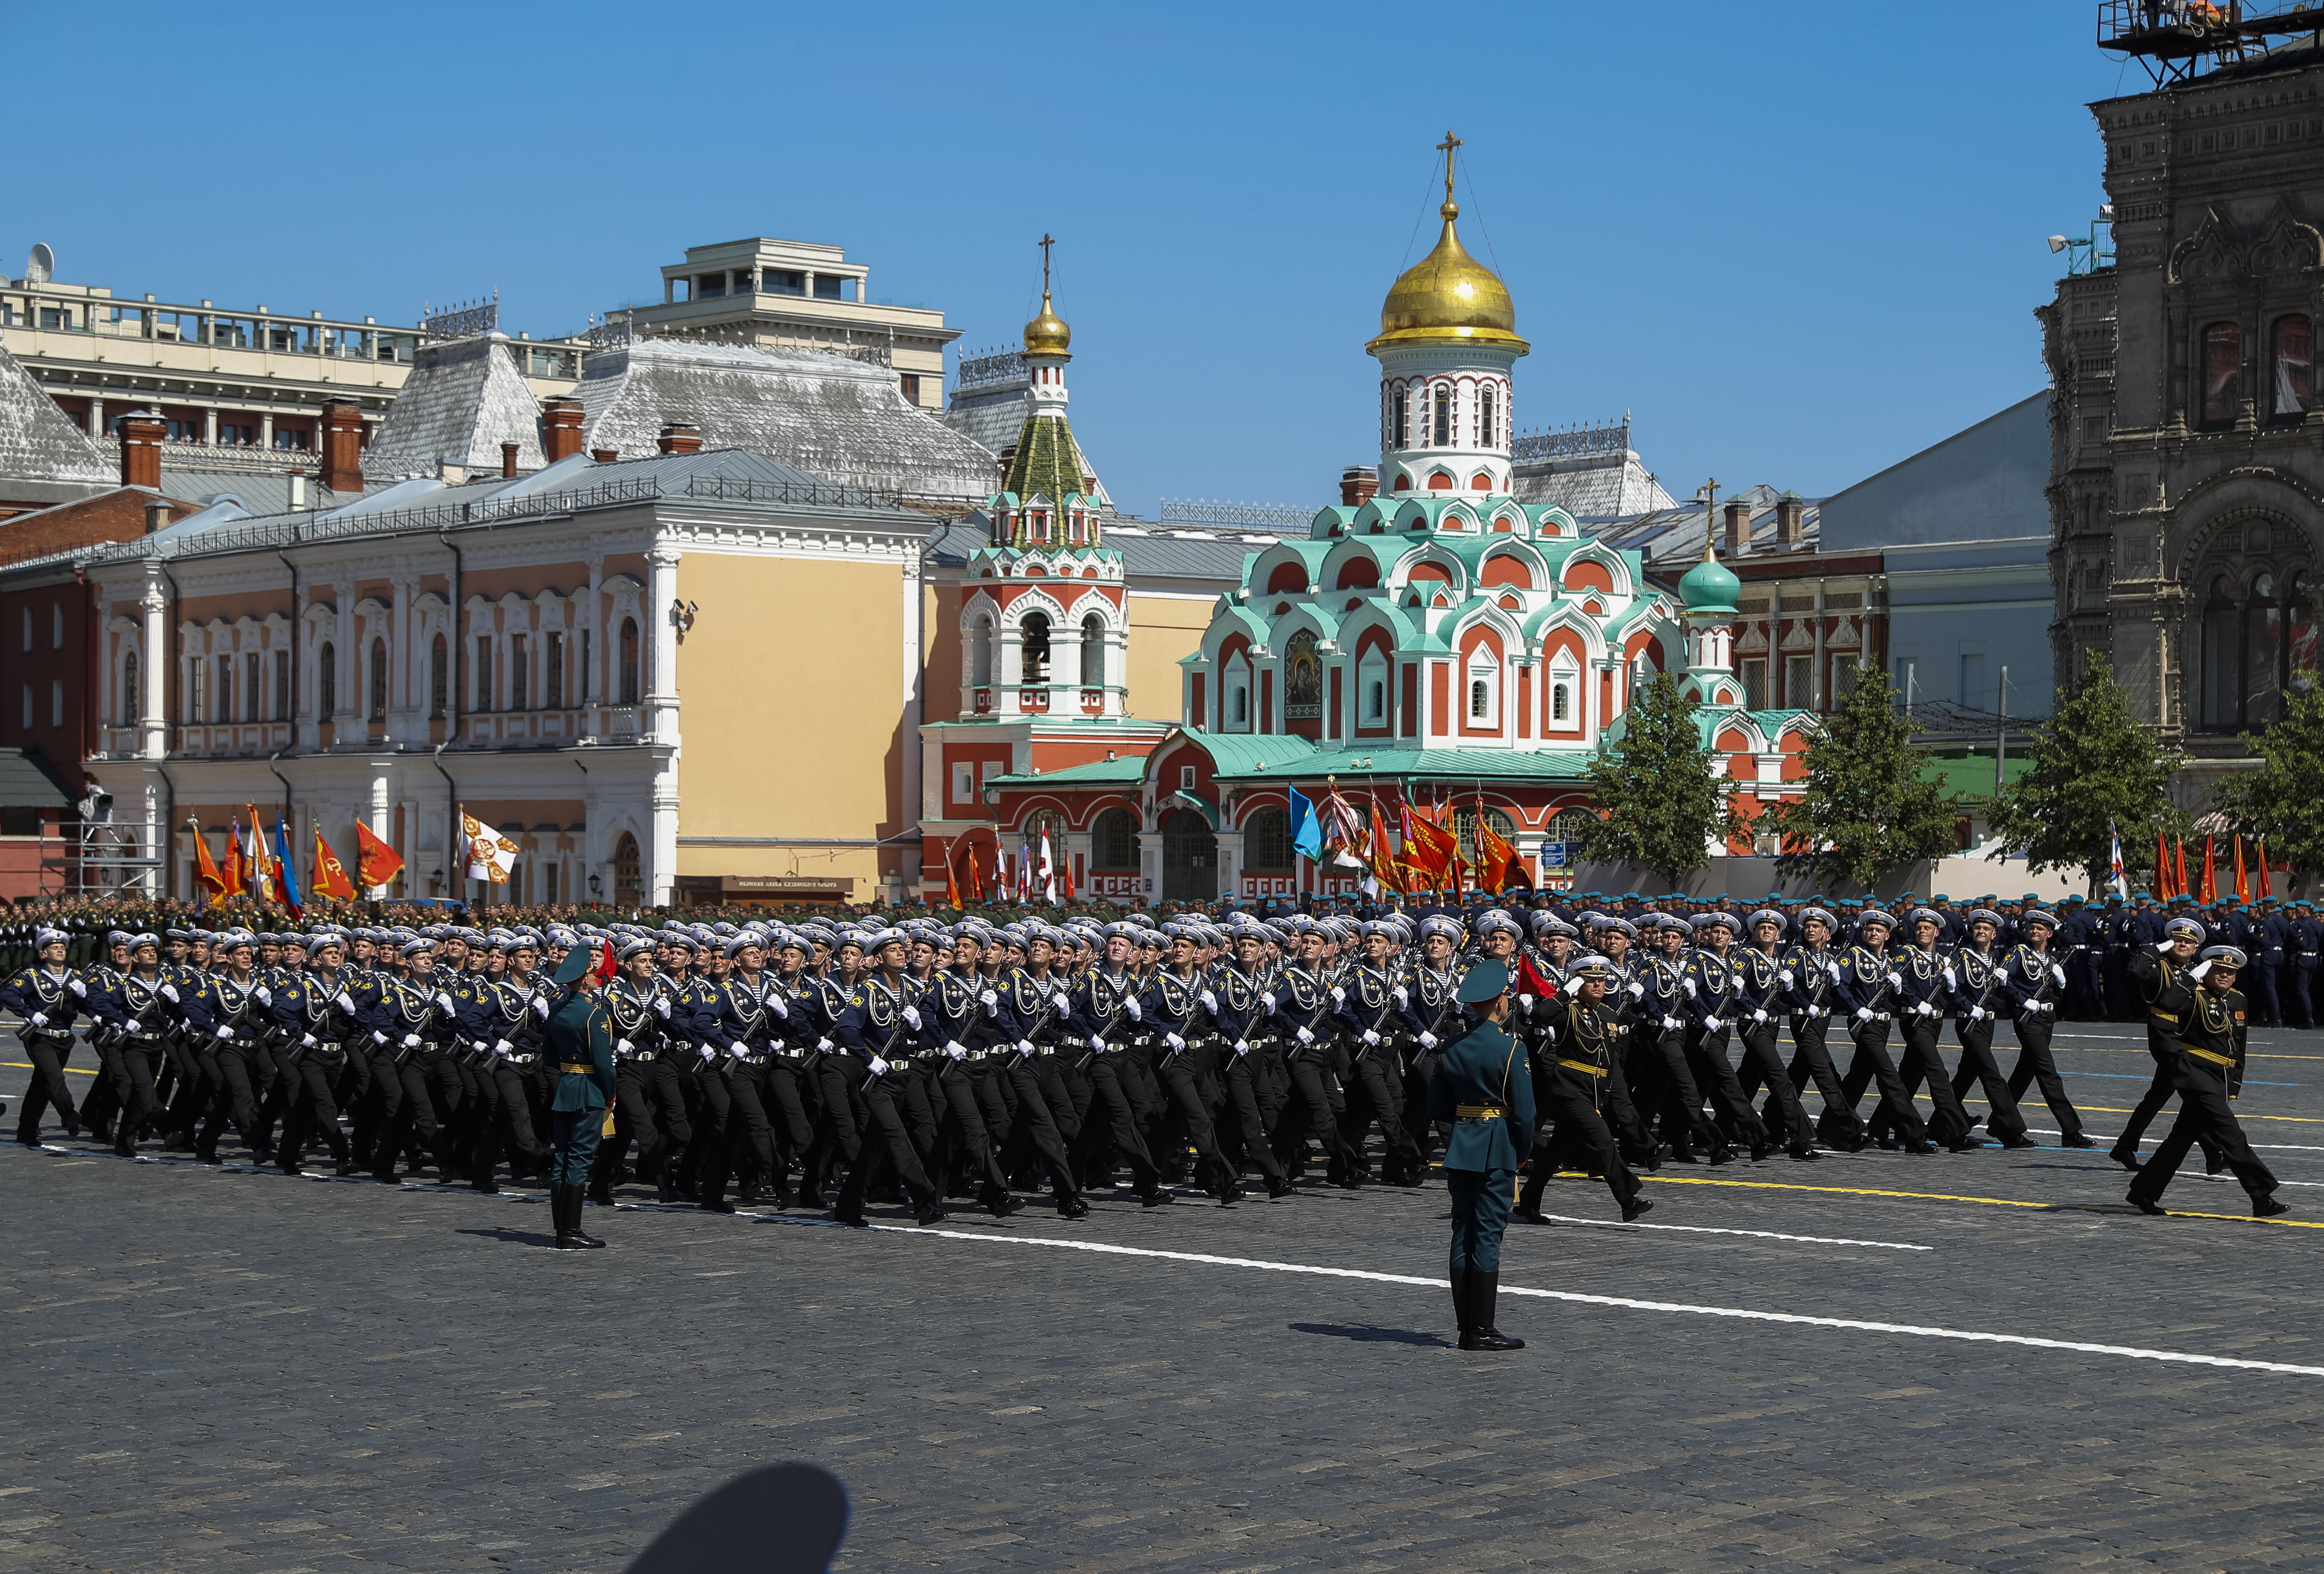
[
  {"x": 2094, "y": 766},
  {"x": 2282, "y": 801},
  {"x": 1870, "y": 804},
  {"x": 1662, "y": 806}
]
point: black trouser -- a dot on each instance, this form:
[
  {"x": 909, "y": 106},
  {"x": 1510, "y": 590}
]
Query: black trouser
[
  {"x": 1036, "y": 1124},
  {"x": 1378, "y": 1100},
  {"x": 1872, "y": 1062},
  {"x": 1763, "y": 1067},
  {"x": 310, "y": 1110},
  {"x": 505, "y": 1119},
  {"x": 2300, "y": 991},
  {"x": 840, "y": 1136},
  {"x": 2164, "y": 1045},
  {"x": 2205, "y": 1117},
  {"x": 192, "y": 1082},
  {"x": 234, "y": 1099},
  {"x": 1568, "y": 1101},
  {"x": 134, "y": 1065},
  {"x": 48, "y": 1052},
  {"x": 1180, "y": 1076},
  {"x": 1706, "y": 1058},
  {"x": 889, "y": 1150},
  {"x": 788, "y": 1093},
  {"x": 1922, "y": 1062},
  {"x": 407, "y": 1109},
  {"x": 1979, "y": 1068},
  {"x": 1116, "y": 1126},
  {"x": 103, "y": 1101},
  {"x": 1242, "y": 1081},
  {"x": 1311, "y": 1104},
  {"x": 2035, "y": 1064},
  {"x": 1837, "y": 1125},
  {"x": 635, "y": 1089},
  {"x": 979, "y": 1154},
  {"x": 1665, "y": 1086},
  {"x": 746, "y": 1144}
]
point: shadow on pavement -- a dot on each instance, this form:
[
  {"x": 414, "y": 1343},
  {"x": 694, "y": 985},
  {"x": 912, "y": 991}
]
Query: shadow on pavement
[{"x": 1365, "y": 1333}]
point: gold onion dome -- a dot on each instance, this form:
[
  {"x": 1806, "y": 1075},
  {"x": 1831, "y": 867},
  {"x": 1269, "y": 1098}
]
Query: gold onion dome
[
  {"x": 1448, "y": 297},
  {"x": 1047, "y": 335}
]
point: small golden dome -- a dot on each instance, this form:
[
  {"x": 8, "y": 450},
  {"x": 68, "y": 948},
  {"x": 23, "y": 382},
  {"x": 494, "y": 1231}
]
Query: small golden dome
[
  {"x": 1448, "y": 297},
  {"x": 1047, "y": 335}
]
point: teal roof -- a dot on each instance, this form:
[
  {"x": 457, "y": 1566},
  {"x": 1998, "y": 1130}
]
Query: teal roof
[
  {"x": 1096, "y": 773},
  {"x": 1709, "y": 586},
  {"x": 1246, "y": 753},
  {"x": 1560, "y": 765}
]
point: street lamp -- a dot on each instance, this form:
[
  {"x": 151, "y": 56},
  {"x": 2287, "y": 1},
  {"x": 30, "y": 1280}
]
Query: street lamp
[{"x": 2086, "y": 255}]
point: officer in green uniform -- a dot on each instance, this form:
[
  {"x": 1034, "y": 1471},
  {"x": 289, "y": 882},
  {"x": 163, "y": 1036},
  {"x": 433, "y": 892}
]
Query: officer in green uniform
[
  {"x": 1482, "y": 1086},
  {"x": 581, "y": 1046}
]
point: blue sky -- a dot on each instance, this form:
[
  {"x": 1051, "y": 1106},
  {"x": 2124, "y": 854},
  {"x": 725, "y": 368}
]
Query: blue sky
[{"x": 1797, "y": 243}]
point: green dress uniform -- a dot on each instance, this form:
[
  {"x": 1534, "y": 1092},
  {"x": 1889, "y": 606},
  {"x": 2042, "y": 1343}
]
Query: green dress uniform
[
  {"x": 1483, "y": 1085},
  {"x": 580, "y": 1043}
]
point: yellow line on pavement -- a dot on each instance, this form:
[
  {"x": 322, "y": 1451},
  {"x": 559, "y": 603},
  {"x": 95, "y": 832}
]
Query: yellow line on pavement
[
  {"x": 26, "y": 1065},
  {"x": 1952, "y": 1197}
]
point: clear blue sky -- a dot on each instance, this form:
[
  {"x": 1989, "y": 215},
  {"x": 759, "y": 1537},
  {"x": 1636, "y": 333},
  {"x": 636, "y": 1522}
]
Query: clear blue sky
[{"x": 1798, "y": 242}]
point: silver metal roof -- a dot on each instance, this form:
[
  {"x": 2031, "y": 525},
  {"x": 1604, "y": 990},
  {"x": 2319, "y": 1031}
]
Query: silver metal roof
[
  {"x": 842, "y": 420},
  {"x": 992, "y": 415},
  {"x": 38, "y": 441},
  {"x": 1592, "y": 486},
  {"x": 462, "y": 402},
  {"x": 1151, "y": 556}
]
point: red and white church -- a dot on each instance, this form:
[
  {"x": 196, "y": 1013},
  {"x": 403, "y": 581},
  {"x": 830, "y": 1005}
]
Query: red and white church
[{"x": 1436, "y": 641}]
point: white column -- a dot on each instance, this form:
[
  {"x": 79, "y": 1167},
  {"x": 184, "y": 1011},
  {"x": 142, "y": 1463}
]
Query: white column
[
  {"x": 378, "y": 819},
  {"x": 661, "y": 681},
  {"x": 154, "y": 670}
]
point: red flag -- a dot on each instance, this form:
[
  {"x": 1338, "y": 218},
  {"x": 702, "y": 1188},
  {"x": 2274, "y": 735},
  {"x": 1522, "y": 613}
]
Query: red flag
[
  {"x": 1430, "y": 847},
  {"x": 330, "y": 874},
  {"x": 2243, "y": 881},
  {"x": 2180, "y": 888},
  {"x": 952, "y": 886},
  {"x": 376, "y": 863},
  {"x": 2266, "y": 885},
  {"x": 235, "y": 875},
  {"x": 2162, "y": 867},
  {"x": 1381, "y": 856},
  {"x": 2211, "y": 891},
  {"x": 206, "y": 869},
  {"x": 1497, "y": 861}
]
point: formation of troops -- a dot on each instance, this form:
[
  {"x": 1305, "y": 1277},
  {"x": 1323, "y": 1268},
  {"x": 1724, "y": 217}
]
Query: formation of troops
[{"x": 831, "y": 1063}]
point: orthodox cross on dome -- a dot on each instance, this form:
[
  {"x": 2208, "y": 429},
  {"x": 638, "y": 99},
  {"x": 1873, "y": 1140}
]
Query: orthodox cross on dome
[
  {"x": 1448, "y": 147},
  {"x": 1047, "y": 242},
  {"x": 1708, "y": 492}
]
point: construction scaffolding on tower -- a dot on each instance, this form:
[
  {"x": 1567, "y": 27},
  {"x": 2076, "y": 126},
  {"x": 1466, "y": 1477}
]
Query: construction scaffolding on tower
[{"x": 2176, "y": 39}]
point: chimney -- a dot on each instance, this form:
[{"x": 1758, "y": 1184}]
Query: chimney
[
  {"x": 1790, "y": 522},
  {"x": 343, "y": 446},
  {"x": 604, "y": 456},
  {"x": 298, "y": 490},
  {"x": 508, "y": 461},
  {"x": 451, "y": 472},
  {"x": 1738, "y": 529},
  {"x": 1358, "y": 484},
  {"x": 158, "y": 513},
  {"x": 679, "y": 439},
  {"x": 142, "y": 431},
  {"x": 560, "y": 429}
]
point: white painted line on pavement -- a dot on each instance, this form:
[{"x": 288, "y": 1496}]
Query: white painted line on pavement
[{"x": 1763, "y": 1234}]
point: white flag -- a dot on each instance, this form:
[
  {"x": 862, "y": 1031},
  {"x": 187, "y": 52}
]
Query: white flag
[
  {"x": 491, "y": 856},
  {"x": 1049, "y": 872}
]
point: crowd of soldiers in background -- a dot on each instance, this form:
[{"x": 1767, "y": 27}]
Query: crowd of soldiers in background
[{"x": 825, "y": 1061}]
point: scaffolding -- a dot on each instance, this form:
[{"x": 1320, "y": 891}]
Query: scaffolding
[
  {"x": 104, "y": 858},
  {"x": 2177, "y": 40}
]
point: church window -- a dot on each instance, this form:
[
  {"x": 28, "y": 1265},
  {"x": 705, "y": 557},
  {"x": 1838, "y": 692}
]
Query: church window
[
  {"x": 1560, "y": 703},
  {"x": 440, "y": 678},
  {"x": 1371, "y": 683},
  {"x": 628, "y": 677},
  {"x": 1113, "y": 842},
  {"x": 327, "y": 683},
  {"x": 1036, "y": 631},
  {"x": 1484, "y": 689},
  {"x": 2294, "y": 382},
  {"x": 1444, "y": 417},
  {"x": 1487, "y": 433},
  {"x": 1093, "y": 651},
  {"x": 1400, "y": 403},
  {"x": 1266, "y": 841},
  {"x": 979, "y": 653},
  {"x": 1754, "y": 683},
  {"x": 2223, "y": 353},
  {"x": 1235, "y": 694}
]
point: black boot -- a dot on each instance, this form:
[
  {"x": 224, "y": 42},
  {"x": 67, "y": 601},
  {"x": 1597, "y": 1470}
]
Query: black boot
[
  {"x": 575, "y": 1196},
  {"x": 1461, "y": 1278},
  {"x": 559, "y": 1210},
  {"x": 1484, "y": 1290}
]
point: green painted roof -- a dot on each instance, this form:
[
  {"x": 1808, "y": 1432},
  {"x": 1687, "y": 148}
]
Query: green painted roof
[
  {"x": 1096, "y": 773},
  {"x": 1046, "y": 460},
  {"x": 1245, "y": 753},
  {"x": 1560, "y": 765}
]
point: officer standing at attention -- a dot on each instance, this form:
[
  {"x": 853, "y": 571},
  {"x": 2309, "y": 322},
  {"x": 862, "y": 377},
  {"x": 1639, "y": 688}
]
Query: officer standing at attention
[
  {"x": 1482, "y": 1087},
  {"x": 581, "y": 1046}
]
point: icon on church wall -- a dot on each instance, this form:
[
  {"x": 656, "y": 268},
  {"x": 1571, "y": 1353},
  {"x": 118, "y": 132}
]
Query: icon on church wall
[{"x": 1303, "y": 679}]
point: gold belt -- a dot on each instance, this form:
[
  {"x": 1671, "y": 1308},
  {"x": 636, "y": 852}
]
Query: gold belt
[
  {"x": 1584, "y": 1066},
  {"x": 2207, "y": 1055},
  {"x": 1481, "y": 1111},
  {"x": 574, "y": 1071}
]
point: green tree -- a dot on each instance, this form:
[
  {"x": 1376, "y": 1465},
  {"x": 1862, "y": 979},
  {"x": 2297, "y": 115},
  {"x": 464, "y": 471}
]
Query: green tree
[
  {"x": 2282, "y": 801},
  {"x": 1662, "y": 804},
  {"x": 2095, "y": 771},
  {"x": 1870, "y": 804}
]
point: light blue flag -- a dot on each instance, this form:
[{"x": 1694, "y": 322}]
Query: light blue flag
[{"x": 1306, "y": 831}]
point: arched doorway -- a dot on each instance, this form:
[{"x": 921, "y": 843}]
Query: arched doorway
[
  {"x": 628, "y": 890},
  {"x": 1190, "y": 859}
]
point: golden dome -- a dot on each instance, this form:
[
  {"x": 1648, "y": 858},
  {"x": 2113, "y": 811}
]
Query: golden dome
[
  {"x": 1047, "y": 335},
  {"x": 1448, "y": 297}
]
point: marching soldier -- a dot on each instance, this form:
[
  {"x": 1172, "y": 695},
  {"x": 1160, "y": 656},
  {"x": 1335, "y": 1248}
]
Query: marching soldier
[{"x": 2208, "y": 1071}]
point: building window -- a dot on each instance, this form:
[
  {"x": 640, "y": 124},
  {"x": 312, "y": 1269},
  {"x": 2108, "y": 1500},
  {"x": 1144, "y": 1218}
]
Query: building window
[
  {"x": 2294, "y": 384},
  {"x": 519, "y": 672},
  {"x": 250, "y": 675},
  {"x": 628, "y": 672},
  {"x": 197, "y": 692},
  {"x": 225, "y": 688},
  {"x": 1113, "y": 842},
  {"x": 2223, "y": 354},
  {"x": 1754, "y": 683},
  {"x": 1234, "y": 699},
  {"x": 282, "y": 685},
  {"x": 964, "y": 783},
  {"x": 1799, "y": 682},
  {"x": 910, "y": 383},
  {"x": 1371, "y": 688},
  {"x": 326, "y": 682},
  {"x": 57, "y": 627},
  {"x": 379, "y": 680},
  {"x": 440, "y": 686},
  {"x": 1561, "y": 701},
  {"x": 1484, "y": 691},
  {"x": 627, "y": 890},
  {"x": 979, "y": 653},
  {"x": 1093, "y": 651},
  {"x": 1465, "y": 826},
  {"x": 1266, "y": 841},
  {"x": 485, "y": 672},
  {"x": 1444, "y": 417},
  {"x": 552, "y": 671},
  {"x": 131, "y": 708},
  {"x": 1036, "y": 648},
  {"x": 56, "y": 702},
  {"x": 1485, "y": 429}
]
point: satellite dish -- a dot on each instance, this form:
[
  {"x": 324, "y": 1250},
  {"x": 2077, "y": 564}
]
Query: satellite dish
[{"x": 42, "y": 265}]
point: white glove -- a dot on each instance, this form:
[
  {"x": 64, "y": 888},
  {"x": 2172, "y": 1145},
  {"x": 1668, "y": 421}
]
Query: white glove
[
  {"x": 38, "y": 1019},
  {"x": 707, "y": 1051},
  {"x": 2197, "y": 971},
  {"x": 1097, "y": 1045},
  {"x": 1713, "y": 1024},
  {"x": 1671, "y": 1024},
  {"x": 775, "y": 1004},
  {"x": 170, "y": 991},
  {"x": 1977, "y": 1013},
  {"x": 344, "y": 1001},
  {"x": 411, "y": 1041},
  {"x": 1833, "y": 968},
  {"x": 956, "y": 1050},
  {"x": 307, "y": 1041},
  {"x": 1525, "y": 1003},
  {"x": 1242, "y": 1046},
  {"x": 2058, "y": 973},
  {"x": 1137, "y": 1012},
  {"x": 1339, "y": 996},
  {"x": 1690, "y": 987},
  {"x": 1210, "y": 1000},
  {"x": 739, "y": 1051},
  {"x": 1896, "y": 981},
  {"x": 822, "y": 1044},
  {"x": 444, "y": 999},
  {"x": 912, "y": 1015},
  {"x": 1173, "y": 1040},
  {"x": 1428, "y": 1041},
  {"x": 2162, "y": 947},
  {"x": 263, "y": 997},
  {"x": 624, "y": 1045},
  {"x": 879, "y": 1066},
  {"x": 224, "y": 1032},
  {"x": 1784, "y": 974},
  {"x": 2048, "y": 1005},
  {"x": 1924, "y": 1009},
  {"x": 989, "y": 997},
  {"x": 1403, "y": 996},
  {"x": 1370, "y": 1037},
  {"x": 1638, "y": 990},
  {"x": 539, "y": 1004},
  {"x": 78, "y": 988},
  {"x": 1574, "y": 986},
  {"x": 1306, "y": 1036},
  {"x": 1864, "y": 1013},
  {"x": 661, "y": 1007},
  {"x": 378, "y": 1037},
  {"x": 1816, "y": 1011},
  {"x": 503, "y": 1047},
  {"x": 1758, "y": 1016}
]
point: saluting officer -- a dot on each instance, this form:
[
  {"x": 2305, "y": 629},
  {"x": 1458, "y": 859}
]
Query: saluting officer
[
  {"x": 1481, "y": 1086},
  {"x": 2207, "y": 1071}
]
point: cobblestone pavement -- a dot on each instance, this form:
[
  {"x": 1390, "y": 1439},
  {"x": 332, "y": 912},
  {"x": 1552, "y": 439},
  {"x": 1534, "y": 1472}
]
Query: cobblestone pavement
[{"x": 232, "y": 1370}]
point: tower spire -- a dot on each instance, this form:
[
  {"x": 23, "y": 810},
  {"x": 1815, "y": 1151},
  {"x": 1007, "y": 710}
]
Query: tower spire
[{"x": 1448, "y": 147}]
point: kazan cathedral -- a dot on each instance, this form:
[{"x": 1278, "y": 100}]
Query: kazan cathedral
[{"x": 1432, "y": 639}]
